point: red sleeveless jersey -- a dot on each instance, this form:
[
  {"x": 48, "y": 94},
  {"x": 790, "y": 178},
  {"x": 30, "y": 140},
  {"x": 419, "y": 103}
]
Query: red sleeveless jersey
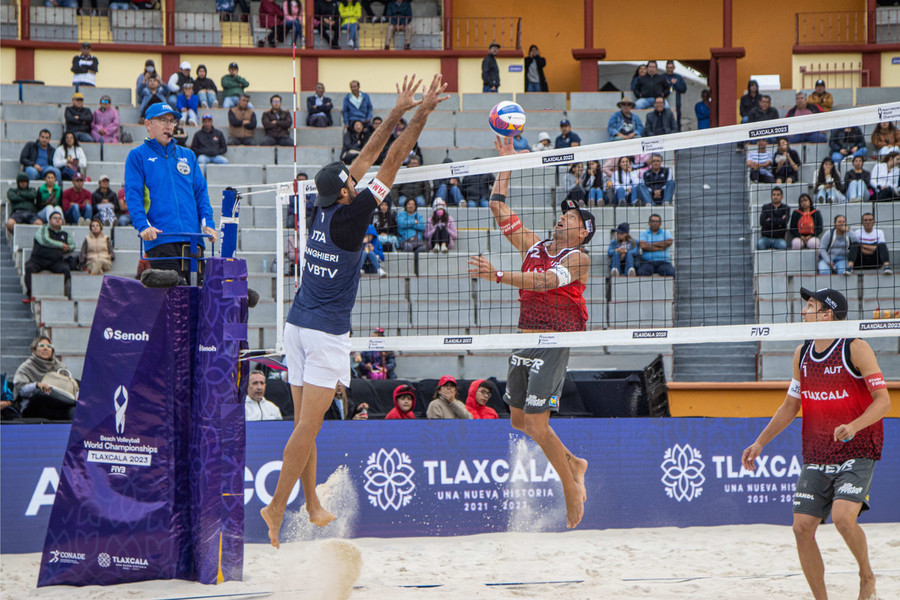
[
  {"x": 832, "y": 393},
  {"x": 559, "y": 309}
]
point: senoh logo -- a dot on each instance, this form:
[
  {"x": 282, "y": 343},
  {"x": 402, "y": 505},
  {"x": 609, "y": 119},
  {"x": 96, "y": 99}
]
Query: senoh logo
[
  {"x": 454, "y": 341},
  {"x": 759, "y": 331},
  {"x": 768, "y": 131},
  {"x": 125, "y": 336},
  {"x": 559, "y": 158}
]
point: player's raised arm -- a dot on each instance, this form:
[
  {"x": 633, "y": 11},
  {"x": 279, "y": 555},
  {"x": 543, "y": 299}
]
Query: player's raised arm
[{"x": 510, "y": 225}]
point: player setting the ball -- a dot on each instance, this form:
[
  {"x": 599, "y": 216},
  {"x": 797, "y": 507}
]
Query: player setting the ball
[{"x": 551, "y": 297}]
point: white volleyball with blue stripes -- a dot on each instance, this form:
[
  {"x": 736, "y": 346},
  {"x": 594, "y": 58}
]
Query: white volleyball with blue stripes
[{"x": 507, "y": 119}]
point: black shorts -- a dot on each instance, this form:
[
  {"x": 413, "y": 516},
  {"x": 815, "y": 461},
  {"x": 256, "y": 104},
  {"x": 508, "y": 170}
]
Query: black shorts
[
  {"x": 820, "y": 485},
  {"x": 23, "y": 217},
  {"x": 535, "y": 379}
]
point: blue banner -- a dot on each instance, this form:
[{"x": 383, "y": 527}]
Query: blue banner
[{"x": 416, "y": 478}]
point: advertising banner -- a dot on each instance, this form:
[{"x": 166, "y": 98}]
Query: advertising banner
[{"x": 423, "y": 478}]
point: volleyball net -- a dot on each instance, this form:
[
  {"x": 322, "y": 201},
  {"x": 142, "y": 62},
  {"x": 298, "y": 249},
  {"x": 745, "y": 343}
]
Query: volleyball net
[{"x": 736, "y": 276}]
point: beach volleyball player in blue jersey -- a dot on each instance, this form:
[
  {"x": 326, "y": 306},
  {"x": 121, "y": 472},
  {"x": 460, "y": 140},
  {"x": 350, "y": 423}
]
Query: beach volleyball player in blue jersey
[{"x": 317, "y": 332}]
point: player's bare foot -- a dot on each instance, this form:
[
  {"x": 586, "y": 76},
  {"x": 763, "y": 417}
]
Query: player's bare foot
[
  {"x": 274, "y": 524},
  {"x": 319, "y": 516},
  {"x": 867, "y": 588},
  {"x": 578, "y": 467},
  {"x": 574, "y": 506}
]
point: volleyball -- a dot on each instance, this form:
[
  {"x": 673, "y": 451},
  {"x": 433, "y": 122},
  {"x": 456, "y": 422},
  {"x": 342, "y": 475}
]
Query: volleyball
[{"x": 507, "y": 118}]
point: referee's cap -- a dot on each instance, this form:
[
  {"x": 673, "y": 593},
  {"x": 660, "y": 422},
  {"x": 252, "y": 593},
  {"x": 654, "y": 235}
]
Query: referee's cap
[
  {"x": 833, "y": 299},
  {"x": 587, "y": 217},
  {"x": 329, "y": 181},
  {"x": 160, "y": 109}
]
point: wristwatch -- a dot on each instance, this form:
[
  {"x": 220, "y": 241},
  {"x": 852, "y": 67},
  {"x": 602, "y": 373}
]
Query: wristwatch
[{"x": 499, "y": 276}]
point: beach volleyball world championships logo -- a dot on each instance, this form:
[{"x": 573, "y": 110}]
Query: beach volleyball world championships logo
[
  {"x": 389, "y": 481},
  {"x": 682, "y": 469}
]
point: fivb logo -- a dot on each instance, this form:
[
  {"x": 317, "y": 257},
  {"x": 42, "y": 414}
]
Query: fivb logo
[
  {"x": 125, "y": 336},
  {"x": 120, "y": 407}
]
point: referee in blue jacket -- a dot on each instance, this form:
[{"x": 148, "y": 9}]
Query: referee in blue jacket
[{"x": 166, "y": 193}]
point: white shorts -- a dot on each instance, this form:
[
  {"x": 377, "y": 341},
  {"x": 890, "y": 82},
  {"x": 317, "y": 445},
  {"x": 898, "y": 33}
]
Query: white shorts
[{"x": 316, "y": 357}]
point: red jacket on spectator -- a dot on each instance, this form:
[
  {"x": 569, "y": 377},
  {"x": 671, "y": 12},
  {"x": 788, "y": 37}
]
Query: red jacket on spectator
[
  {"x": 396, "y": 413},
  {"x": 70, "y": 197},
  {"x": 270, "y": 14},
  {"x": 478, "y": 411}
]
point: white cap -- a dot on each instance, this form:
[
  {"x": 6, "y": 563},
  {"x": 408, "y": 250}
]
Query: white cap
[
  {"x": 543, "y": 136},
  {"x": 185, "y": 65},
  {"x": 439, "y": 203}
]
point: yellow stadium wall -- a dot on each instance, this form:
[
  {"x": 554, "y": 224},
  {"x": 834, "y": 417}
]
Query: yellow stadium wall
[
  {"x": 373, "y": 74},
  {"x": 117, "y": 69},
  {"x": 7, "y": 65},
  {"x": 852, "y": 60},
  {"x": 470, "y": 76},
  {"x": 890, "y": 73},
  {"x": 265, "y": 73}
]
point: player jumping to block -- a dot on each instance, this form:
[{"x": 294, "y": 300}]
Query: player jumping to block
[
  {"x": 843, "y": 395},
  {"x": 317, "y": 332},
  {"x": 551, "y": 297}
]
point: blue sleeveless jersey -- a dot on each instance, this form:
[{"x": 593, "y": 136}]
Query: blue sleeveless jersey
[{"x": 330, "y": 280}]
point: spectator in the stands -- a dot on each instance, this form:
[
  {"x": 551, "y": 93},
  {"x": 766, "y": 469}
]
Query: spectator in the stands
[
  {"x": 256, "y": 407},
  {"x": 801, "y": 108},
  {"x": 225, "y": 8},
  {"x": 829, "y": 187},
  {"x": 660, "y": 120},
  {"x": 623, "y": 252},
  {"x": 351, "y": 12},
  {"x": 566, "y": 138},
  {"x": 188, "y": 104},
  {"x": 677, "y": 86},
  {"x": 180, "y": 135},
  {"x": 51, "y": 252},
  {"x": 476, "y": 189},
  {"x": 373, "y": 253},
  {"x": 623, "y": 125},
  {"x": 328, "y": 14},
  {"x": 824, "y": 100},
  {"x": 410, "y": 227},
  {"x": 420, "y": 190},
  {"x": 205, "y": 89},
  {"x": 750, "y": 100},
  {"x": 871, "y": 252},
  {"x": 658, "y": 184},
  {"x": 440, "y": 231},
  {"x": 773, "y": 222},
  {"x": 887, "y": 135},
  {"x": 318, "y": 108},
  {"x": 77, "y": 202},
  {"x": 638, "y": 73},
  {"x": 416, "y": 151},
  {"x": 846, "y": 142},
  {"x": 449, "y": 189},
  {"x": 37, "y": 157},
  {"x": 97, "y": 253},
  {"x": 35, "y": 398},
  {"x": 572, "y": 183},
  {"x": 177, "y": 81},
  {"x": 404, "y": 403},
  {"x": 385, "y": 221},
  {"x": 857, "y": 181},
  {"x": 156, "y": 92},
  {"x": 444, "y": 404},
  {"x": 520, "y": 143},
  {"x": 233, "y": 86},
  {"x": 209, "y": 143},
  {"x": 490, "y": 72},
  {"x": 378, "y": 364},
  {"x": 49, "y": 196},
  {"x": 241, "y": 123},
  {"x": 543, "y": 143},
  {"x": 480, "y": 392},
  {"x": 61, "y": 3},
  {"x": 277, "y": 123},
  {"x": 594, "y": 183},
  {"x": 104, "y": 201},
  {"x": 806, "y": 224},
  {"x": 654, "y": 244},
  {"x": 271, "y": 18},
  {"x": 355, "y": 137},
  {"x": 143, "y": 79},
  {"x": 293, "y": 19},
  {"x": 122, "y": 214},
  {"x": 357, "y": 106},
  {"x": 399, "y": 16},
  {"x": 69, "y": 157},
  {"x": 624, "y": 184},
  {"x": 85, "y": 67},
  {"x": 105, "y": 125},
  {"x": 787, "y": 162},
  {"x": 79, "y": 118},
  {"x": 885, "y": 178},
  {"x": 651, "y": 86},
  {"x": 23, "y": 204},
  {"x": 535, "y": 81},
  {"x": 835, "y": 249},
  {"x": 764, "y": 112},
  {"x": 760, "y": 162},
  {"x": 703, "y": 110}
]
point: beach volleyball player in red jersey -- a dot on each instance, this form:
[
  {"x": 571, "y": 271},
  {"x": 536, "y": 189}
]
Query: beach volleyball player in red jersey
[
  {"x": 551, "y": 296},
  {"x": 843, "y": 395}
]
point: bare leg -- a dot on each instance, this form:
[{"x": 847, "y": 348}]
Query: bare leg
[
  {"x": 810, "y": 558},
  {"x": 845, "y": 514},
  {"x": 299, "y": 460},
  {"x": 577, "y": 466}
]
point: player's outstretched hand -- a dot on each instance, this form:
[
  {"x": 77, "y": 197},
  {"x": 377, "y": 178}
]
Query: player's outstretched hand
[
  {"x": 751, "y": 453},
  {"x": 481, "y": 267},
  {"x": 432, "y": 96},
  {"x": 504, "y": 146},
  {"x": 406, "y": 93}
]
